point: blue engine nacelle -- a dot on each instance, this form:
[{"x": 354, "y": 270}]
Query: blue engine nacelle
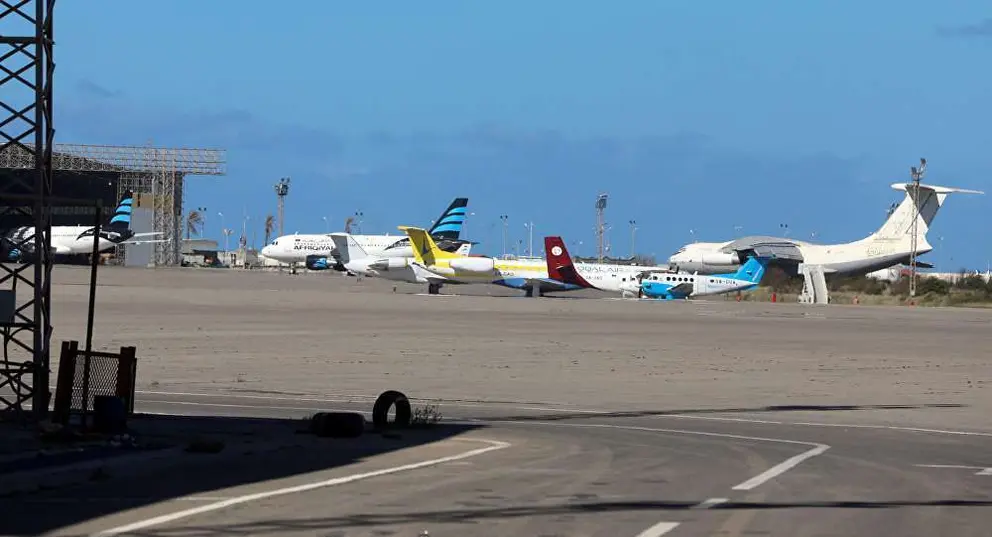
[
  {"x": 317, "y": 262},
  {"x": 322, "y": 262}
]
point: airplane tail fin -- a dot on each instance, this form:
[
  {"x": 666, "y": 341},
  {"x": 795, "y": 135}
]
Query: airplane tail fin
[
  {"x": 425, "y": 250},
  {"x": 464, "y": 249},
  {"x": 752, "y": 270},
  {"x": 899, "y": 225},
  {"x": 347, "y": 247},
  {"x": 121, "y": 220},
  {"x": 449, "y": 224},
  {"x": 560, "y": 266}
]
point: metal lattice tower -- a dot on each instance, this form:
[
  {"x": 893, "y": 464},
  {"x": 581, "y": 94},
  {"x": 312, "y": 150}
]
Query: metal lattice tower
[
  {"x": 26, "y": 99},
  {"x": 282, "y": 190},
  {"x": 917, "y": 175},
  {"x": 600, "y": 225},
  {"x": 156, "y": 175}
]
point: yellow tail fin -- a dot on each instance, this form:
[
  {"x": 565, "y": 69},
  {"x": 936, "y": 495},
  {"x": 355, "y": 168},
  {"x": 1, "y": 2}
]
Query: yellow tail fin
[{"x": 425, "y": 251}]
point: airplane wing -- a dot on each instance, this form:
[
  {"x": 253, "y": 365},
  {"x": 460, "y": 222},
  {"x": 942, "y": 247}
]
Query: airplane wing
[
  {"x": 683, "y": 289},
  {"x": 547, "y": 284},
  {"x": 423, "y": 275},
  {"x": 144, "y": 242}
]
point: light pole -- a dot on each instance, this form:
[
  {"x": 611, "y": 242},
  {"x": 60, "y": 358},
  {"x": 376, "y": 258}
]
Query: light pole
[
  {"x": 504, "y": 218},
  {"x": 358, "y": 217},
  {"x": 633, "y": 231},
  {"x": 530, "y": 240},
  {"x": 222, "y": 228}
]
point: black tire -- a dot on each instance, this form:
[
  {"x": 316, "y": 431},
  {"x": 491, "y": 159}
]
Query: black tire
[
  {"x": 380, "y": 410},
  {"x": 337, "y": 424}
]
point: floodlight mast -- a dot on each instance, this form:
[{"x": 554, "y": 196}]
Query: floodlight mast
[
  {"x": 600, "y": 224},
  {"x": 282, "y": 190},
  {"x": 916, "y": 174}
]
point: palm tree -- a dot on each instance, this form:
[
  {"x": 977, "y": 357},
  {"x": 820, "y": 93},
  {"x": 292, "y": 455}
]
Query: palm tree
[
  {"x": 194, "y": 222},
  {"x": 270, "y": 226}
]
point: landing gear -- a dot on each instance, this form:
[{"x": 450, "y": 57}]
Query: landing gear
[
  {"x": 433, "y": 288},
  {"x": 529, "y": 292}
]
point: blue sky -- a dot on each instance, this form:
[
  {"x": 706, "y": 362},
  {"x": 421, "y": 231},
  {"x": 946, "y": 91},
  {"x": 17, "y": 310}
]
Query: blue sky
[{"x": 699, "y": 116}]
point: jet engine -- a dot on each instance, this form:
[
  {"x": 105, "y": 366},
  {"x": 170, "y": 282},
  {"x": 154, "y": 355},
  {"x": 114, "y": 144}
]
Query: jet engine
[
  {"x": 389, "y": 263},
  {"x": 720, "y": 258},
  {"x": 318, "y": 262},
  {"x": 473, "y": 264}
]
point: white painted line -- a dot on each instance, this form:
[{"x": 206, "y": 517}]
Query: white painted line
[
  {"x": 823, "y": 424},
  {"x": 658, "y": 529},
  {"x": 982, "y": 469},
  {"x": 172, "y": 517},
  {"x": 706, "y": 504},
  {"x": 780, "y": 468},
  {"x": 767, "y": 475}
]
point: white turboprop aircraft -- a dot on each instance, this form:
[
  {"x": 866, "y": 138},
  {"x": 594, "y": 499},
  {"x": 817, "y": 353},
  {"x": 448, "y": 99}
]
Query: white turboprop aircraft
[
  {"x": 318, "y": 251},
  {"x": 652, "y": 282},
  {"x": 889, "y": 246},
  {"x": 18, "y": 243}
]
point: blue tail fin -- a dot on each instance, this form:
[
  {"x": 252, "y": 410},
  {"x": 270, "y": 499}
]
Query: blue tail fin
[
  {"x": 122, "y": 215},
  {"x": 449, "y": 225},
  {"x": 752, "y": 270}
]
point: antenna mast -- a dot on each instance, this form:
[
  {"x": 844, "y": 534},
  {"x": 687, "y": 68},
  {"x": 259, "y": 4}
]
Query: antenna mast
[
  {"x": 916, "y": 174},
  {"x": 600, "y": 224},
  {"x": 282, "y": 189}
]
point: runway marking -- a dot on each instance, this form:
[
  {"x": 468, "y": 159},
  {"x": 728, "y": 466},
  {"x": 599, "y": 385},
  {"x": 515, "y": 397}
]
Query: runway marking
[
  {"x": 983, "y": 470},
  {"x": 171, "y": 517},
  {"x": 754, "y": 482},
  {"x": 658, "y": 529},
  {"x": 824, "y": 424},
  {"x": 780, "y": 468},
  {"x": 576, "y": 410},
  {"x": 706, "y": 504}
]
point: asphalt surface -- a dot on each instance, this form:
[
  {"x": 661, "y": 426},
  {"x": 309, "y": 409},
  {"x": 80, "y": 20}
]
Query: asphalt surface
[{"x": 561, "y": 417}]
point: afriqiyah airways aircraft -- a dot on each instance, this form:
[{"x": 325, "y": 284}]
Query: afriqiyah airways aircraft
[
  {"x": 436, "y": 268},
  {"x": 18, "y": 243},
  {"x": 889, "y": 246},
  {"x": 315, "y": 250},
  {"x": 651, "y": 282}
]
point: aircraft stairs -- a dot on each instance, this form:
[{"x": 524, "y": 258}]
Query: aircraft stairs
[{"x": 814, "y": 285}]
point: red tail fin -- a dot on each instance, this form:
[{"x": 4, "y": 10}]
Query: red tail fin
[{"x": 560, "y": 265}]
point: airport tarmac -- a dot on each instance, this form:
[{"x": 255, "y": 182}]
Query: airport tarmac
[{"x": 583, "y": 415}]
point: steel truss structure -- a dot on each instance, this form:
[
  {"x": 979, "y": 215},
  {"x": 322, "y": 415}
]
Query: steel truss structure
[
  {"x": 26, "y": 69},
  {"x": 158, "y": 173}
]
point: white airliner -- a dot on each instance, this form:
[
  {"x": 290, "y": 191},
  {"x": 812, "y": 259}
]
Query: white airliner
[
  {"x": 356, "y": 260},
  {"x": 889, "y": 246},
  {"x": 652, "y": 282},
  {"x": 75, "y": 240},
  {"x": 318, "y": 251}
]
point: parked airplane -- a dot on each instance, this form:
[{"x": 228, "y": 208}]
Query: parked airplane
[
  {"x": 17, "y": 244},
  {"x": 356, "y": 260},
  {"x": 889, "y": 246},
  {"x": 436, "y": 268},
  {"x": 680, "y": 285},
  {"x": 652, "y": 282},
  {"x": 317, "y": 250},
  {"x": 622, "y": 279}
]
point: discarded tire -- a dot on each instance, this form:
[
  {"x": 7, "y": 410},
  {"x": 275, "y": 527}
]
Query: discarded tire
[
  {"x": 380, "y": 411},
  {"x": 337, "y": 424}
]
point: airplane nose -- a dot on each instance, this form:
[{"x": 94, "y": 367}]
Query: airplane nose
[{"x": 266, "y": 250}]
